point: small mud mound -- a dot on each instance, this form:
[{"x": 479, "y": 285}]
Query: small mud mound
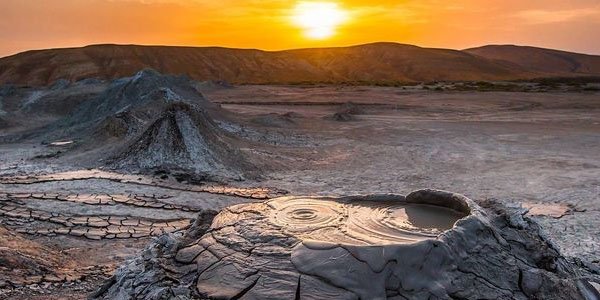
[
  {"x": 293, "y": 115},
  {"x": 185, "y": 138},
  {"x": 7, "y": 90},
  {"x": 346, "y": 112},
  {"x": 341, "y": 117},
  {"x": 119, "y": 125},
  {"x": 428, "y": 245},
  {"x": 4, "y": 123},
  {"x": 145, "y": 94},
  {"x": 351, "y": 109},
  {"x": 213, "y": 85},
  {"x": 274, "y": 120},
  {"x": 60, "y": 84}
]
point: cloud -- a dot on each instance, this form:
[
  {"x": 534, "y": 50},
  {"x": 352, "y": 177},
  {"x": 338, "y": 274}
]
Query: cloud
[{"x": 540, "y": 16}]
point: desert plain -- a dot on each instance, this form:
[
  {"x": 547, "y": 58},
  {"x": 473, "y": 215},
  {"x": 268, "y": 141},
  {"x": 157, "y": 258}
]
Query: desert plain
[{"x": 68, "y": 221}]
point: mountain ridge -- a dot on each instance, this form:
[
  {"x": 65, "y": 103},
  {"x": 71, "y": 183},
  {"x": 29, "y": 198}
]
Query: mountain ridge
[{"x": 367, "y": 63}]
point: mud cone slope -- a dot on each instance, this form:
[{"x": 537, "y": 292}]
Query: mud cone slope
[
  {"x": 185, "y": 138},
  {"x": 141, "y": 98}
]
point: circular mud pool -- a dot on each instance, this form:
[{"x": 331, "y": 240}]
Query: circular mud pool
[{"x": 361, "y": 222}]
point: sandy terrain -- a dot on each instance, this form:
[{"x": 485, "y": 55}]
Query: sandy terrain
[{"x": 521, "y": 148}]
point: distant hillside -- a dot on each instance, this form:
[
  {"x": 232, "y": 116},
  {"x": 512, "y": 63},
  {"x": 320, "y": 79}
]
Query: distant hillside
[
  {"x": 379, "y": 62},
  {"x": 559, "y": 63}
]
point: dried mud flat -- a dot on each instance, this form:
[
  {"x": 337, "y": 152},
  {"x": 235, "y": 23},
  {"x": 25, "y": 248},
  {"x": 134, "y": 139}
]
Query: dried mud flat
[{"x": 538, "y": 150}]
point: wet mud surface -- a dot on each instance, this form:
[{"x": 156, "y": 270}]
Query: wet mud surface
[{"x": 360, "y": 223}]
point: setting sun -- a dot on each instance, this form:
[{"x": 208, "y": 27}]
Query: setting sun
[{"x": 319, "y": 20}]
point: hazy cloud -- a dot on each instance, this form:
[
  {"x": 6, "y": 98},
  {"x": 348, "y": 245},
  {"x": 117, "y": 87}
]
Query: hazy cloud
[{"x": 540, "y": 16}]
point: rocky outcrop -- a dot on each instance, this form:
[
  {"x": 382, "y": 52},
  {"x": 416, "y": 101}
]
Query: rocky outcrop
[{"x": 427, "y": 245}]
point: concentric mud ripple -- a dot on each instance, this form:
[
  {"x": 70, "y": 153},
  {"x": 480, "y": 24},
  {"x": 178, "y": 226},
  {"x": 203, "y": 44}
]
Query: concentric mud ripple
[
  {"x": 307, "y": 215},
  {"x": 361, "y": 223},
  {"x": 391, "y": 223}
]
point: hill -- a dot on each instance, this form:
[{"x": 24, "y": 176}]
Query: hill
[
  {"x": 370, "y": 63},
  {"x": 559, "y": 63}
]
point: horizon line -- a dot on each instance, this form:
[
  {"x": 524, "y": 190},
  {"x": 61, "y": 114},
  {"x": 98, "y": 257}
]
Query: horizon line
[{"x": 288, "y": 49}]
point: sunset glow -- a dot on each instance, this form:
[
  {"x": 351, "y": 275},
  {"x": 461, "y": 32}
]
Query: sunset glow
[
  {"x": 278, "y": 25},
  {"x": 319, "y": 20}
]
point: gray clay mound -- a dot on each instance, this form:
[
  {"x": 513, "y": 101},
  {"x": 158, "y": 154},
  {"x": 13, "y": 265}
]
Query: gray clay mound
[
  {"x": 4, "y": 123},
  {"x": 274, "y": 120},
  {"x": 213, "y": 85},
  {"x": 428, "y": 245},
  {"x": 351, "y": 109},
  {"x": 341, "y": 117},
  {"x": 119, "y": 125},
  {"x": 293, "y": 115},
  {"x": 141, "y": 97},
  {"x": 185, "y": 138},
  {"x": 345, "y": 113}
]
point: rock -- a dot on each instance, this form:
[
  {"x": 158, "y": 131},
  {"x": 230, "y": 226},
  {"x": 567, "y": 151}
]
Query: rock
[
  {"x": 554, "y": 210},
  {"x": 427, "y": 245}
]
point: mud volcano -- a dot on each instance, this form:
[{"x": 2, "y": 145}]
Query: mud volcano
[
  {"x": 185, "y": 138},
  {"x": 155, "y": 123},
  {"x": 427, "y": 245}
]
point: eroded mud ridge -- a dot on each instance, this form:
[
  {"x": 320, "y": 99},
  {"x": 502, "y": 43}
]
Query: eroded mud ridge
[
  {"x": 255, "y": 193},
  {"x": 427, "y": 245}
]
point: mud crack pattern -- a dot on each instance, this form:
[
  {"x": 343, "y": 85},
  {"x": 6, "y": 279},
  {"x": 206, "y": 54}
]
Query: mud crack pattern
[{"x": 14, "y": 208}]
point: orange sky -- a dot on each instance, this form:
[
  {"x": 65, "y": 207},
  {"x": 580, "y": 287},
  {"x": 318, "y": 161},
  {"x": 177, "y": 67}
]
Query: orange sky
[{"x": 266, "y": 24}]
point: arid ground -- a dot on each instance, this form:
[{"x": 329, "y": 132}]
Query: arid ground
[{"x": 535, "y": 149}]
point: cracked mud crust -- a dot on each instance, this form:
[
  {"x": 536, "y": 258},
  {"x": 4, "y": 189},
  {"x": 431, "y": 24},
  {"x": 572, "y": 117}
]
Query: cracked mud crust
[
  {"x": 252, "y": 251},
  {"x": 254, "y": 193}
]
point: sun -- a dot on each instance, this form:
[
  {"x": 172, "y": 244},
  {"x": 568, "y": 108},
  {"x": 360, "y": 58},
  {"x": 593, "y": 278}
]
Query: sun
[{"x": 319, "y": 20}]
